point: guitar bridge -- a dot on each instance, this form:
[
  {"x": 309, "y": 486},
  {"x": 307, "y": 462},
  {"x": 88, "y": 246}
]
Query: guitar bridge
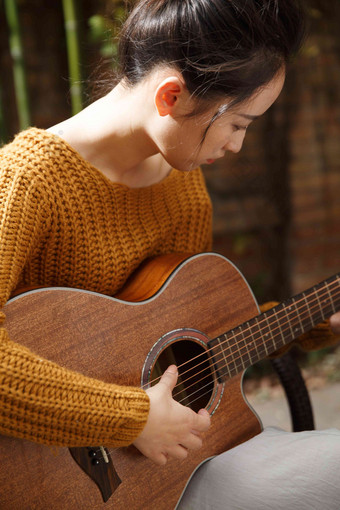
[{"x": 97, "y": 464}]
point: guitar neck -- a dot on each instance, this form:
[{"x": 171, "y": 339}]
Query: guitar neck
[{"x": 254, "y": 340}]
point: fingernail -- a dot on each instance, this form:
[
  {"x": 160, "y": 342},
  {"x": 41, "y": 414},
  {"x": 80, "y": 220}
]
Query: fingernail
[
  {"x": 203, "y": 411},
  {"x": 172, "y": 369}
]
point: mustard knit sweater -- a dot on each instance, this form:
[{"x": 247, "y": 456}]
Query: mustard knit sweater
[{"x": 63, "y": 223}]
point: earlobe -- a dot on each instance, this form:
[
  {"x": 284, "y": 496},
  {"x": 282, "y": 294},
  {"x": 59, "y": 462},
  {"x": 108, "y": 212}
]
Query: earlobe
[{"x": 166, "y": 96}]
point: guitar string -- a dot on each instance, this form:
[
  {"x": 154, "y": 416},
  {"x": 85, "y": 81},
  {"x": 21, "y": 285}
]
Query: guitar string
[
  {"x": 306, "y": 312},
  {"x": 210, "y": 383},
  {"x": 252, "y": 357},
  {"x": 258, "y": 324},
  {"x": 234, "y": 336},
  {"x": 252, "y": 354},
  {"x": 245, "y": 347},
  {"x": 250, "y": 349},
  {"x": 190, "y": 402},
  {"x": 319, "y": 296},
  {"x": 188, "y": 398}
]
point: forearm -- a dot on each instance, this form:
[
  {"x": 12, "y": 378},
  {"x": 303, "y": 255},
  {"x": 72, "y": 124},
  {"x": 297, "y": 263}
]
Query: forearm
[{"x": 46, "y": 403}]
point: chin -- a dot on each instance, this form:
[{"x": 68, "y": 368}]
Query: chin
[
  {"x": 182, "y": 166},
  {"x": 190, "y": 166}
]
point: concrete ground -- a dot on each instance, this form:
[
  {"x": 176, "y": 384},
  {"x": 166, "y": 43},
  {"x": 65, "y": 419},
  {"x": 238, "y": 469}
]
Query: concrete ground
[{"x": 272, "y": 406}]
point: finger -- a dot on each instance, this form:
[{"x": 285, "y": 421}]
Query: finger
[
  {"x": 169, "y": 378},
  {"x": 204, "y": 412},
  {"x": 335, "y": 323},
  {"x": 192, "y": 442},
  {"x": 160, "y": 458},
  {"x": 178, "y": 452},
  {"x": 201, "y": 421}
]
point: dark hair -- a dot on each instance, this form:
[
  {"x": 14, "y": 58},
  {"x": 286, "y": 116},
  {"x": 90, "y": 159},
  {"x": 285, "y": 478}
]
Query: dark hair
[{"x": 223, "y": 48}]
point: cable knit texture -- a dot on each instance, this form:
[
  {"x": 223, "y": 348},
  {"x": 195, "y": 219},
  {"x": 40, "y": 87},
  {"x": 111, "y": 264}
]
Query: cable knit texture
[{"x": 63, "y": 223}]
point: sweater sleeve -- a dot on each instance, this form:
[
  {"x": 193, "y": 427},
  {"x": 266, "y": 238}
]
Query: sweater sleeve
[{"x": 40, "y": 400}]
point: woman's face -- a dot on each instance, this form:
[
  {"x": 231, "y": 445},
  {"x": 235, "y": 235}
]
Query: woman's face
[{"x": 181, "y": 145}]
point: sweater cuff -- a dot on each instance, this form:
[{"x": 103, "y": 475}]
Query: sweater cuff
[{"x": 43, "y": 402}]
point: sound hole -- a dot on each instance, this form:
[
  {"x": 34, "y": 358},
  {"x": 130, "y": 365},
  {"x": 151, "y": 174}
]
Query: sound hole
[{"x": 195, "y": 382}]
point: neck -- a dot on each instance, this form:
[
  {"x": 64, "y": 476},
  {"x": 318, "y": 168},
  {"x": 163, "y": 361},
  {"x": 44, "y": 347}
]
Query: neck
[
  {"x": 112, "y": 135},
  {"x": 254, "y": 340}
]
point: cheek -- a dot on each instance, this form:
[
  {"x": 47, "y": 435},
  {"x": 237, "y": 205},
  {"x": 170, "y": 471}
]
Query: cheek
[
  {"x": 213, "y": 143},
  {"x": 181, "y": 144},
  {"x": 187, "y": 143}
]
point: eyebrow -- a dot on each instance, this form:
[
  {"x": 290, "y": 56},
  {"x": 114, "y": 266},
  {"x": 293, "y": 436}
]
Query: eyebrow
[{"x": 249, "y": 117}]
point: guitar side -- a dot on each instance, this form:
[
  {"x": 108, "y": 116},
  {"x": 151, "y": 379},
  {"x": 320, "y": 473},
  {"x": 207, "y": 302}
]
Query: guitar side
[{"x": 204, "y": 292}]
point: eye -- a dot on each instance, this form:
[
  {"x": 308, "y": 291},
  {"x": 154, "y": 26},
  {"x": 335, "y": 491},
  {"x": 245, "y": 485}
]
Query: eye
[{"x": 237, "y": 127}]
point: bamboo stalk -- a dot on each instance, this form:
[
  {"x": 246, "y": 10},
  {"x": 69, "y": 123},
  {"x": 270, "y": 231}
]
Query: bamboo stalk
[
  {"x": 73, "y": 54},
  {"x": 16, "y": 49}
]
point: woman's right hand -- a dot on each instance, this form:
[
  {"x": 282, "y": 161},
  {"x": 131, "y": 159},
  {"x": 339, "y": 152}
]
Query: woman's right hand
[{"x": 171, "y": 429}]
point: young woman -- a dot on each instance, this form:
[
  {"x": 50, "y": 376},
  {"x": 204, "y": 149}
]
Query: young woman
[{"x": 85, "y": 202}]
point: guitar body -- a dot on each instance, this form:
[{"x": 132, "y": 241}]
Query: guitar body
[{"x": 110, "y": 339}]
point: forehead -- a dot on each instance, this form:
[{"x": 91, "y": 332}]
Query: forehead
[
  {"x": 261, "y": 100},
  {"x": 256, "y": 105}
]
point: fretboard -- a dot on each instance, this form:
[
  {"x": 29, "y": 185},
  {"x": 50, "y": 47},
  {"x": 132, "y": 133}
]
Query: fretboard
[{"x": 254, "y": 340}]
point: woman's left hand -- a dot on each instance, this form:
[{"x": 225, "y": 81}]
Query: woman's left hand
[{"x": 335, "y": 323}]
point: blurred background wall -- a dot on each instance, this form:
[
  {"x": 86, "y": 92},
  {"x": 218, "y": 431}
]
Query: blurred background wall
[{"x": 276, "y": 204}]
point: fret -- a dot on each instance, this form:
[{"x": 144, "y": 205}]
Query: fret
[
  {"x": 319, "y": 303},
  {"x": 238, "y": 342},
  {"x": 285, "y": 310},
  {"x": 242, "y": 343},
  {"x": 308, "y": 318},
  {"x": 330, "y": 298},
  {"x": 267, "y": 332},
  {"x": 254, "y": 338},
  {"x": 278, "y": 338},
  {"x": 326, "y": 298},
  {"x": 231, "y": 357},
  {"x": 296, "y": 329},
  {"x": 337, "y": 281},
  {"x": 223, "y": 348},
  {"x": 281, "y": 332},
  {"x": 308, "y": 309},
  {"x": 260, "y": 349},
  {"x": 267, "y": 336},
  {"x": 293, "y": 311},
  {"x": 253, "y": 341},
  {"x": 223, "y": 352},
  {"x": 238, "y": 357}
]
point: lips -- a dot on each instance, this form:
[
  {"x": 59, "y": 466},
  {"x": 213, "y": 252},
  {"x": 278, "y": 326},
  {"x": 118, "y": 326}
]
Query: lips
[{"x": 210, "y": 161}]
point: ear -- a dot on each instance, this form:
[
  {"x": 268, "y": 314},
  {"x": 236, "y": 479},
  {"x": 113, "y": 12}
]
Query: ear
[{"x": 167, "y": 95}]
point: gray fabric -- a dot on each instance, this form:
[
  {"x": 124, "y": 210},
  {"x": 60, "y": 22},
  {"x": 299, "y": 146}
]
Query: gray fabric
[{"x": 276, "y": 470}]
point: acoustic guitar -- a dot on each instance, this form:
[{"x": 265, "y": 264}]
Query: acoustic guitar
[{"x": 197, "y": 312}]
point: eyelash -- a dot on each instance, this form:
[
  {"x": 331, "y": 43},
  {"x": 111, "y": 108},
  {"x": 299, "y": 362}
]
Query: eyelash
[{"x": 239, "y": 128}]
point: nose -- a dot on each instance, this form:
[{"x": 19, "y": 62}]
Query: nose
[{"x": 235, "y": 142}]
